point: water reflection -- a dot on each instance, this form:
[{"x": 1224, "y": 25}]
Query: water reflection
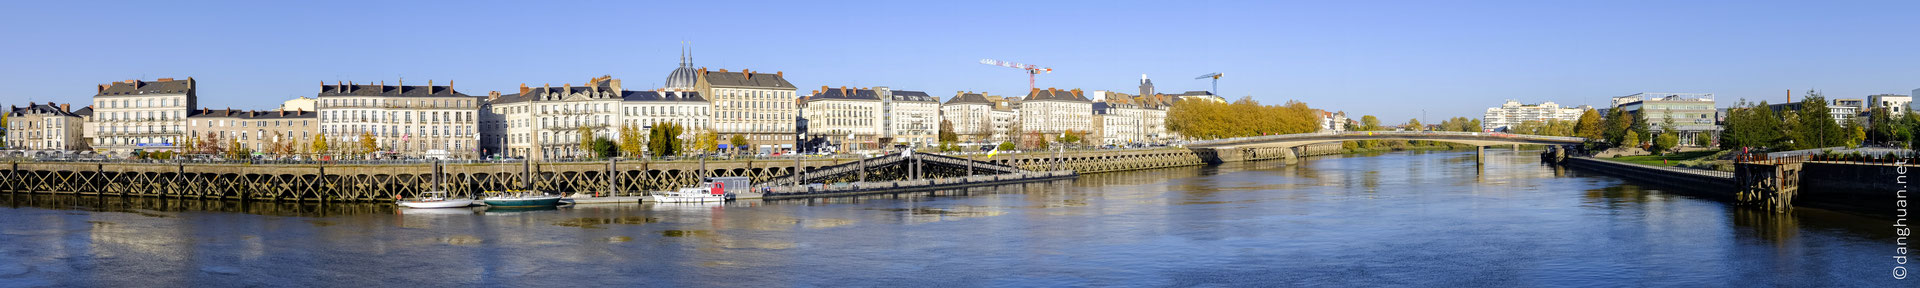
[{"x": 1390, "y": 219}]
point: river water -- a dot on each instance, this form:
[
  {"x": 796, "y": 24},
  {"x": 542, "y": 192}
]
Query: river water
[{"x": 1395, "y": 219}]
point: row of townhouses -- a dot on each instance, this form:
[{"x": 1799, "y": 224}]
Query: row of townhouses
[{"x": 550, "y": 122}]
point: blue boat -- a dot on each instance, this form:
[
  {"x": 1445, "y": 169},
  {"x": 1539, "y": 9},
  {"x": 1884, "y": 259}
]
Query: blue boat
[{"x": 522, "y": 199}]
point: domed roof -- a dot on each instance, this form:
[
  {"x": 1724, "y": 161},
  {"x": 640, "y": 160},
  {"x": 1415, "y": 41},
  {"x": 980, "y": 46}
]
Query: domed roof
[{"x": 683, "y": 77}]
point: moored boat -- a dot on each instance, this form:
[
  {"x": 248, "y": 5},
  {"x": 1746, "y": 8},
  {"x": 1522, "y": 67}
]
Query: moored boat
[
  {"x": 706, "y": 192},
  {"x": 522, "y": 199},
  {"x": 436, "y": 199}
]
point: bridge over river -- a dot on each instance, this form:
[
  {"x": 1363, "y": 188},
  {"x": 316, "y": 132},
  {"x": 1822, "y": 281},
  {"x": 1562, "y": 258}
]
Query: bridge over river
[{"x": 1237, "y": 149}]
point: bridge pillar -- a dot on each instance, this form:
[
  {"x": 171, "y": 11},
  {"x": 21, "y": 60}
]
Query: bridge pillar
[{"x": 1480, "y": 154}]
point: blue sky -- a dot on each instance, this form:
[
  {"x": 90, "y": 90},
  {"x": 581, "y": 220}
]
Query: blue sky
[{"x": 1386, "y": 58}]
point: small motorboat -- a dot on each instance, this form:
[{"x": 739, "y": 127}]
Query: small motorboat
[
  {"x": 518, "y": 198},
  {"x": 436, "y": 199},
  {"x": 706, "y": 192}
]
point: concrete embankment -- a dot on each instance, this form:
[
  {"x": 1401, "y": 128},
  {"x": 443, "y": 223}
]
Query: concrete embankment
[
  {"x": 1855, "y": 187},
  {"x": 1708, "y": 183},
  {"x": 860, "y": 188}
]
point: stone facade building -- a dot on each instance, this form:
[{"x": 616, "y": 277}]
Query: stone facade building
[
  {"x": 142, "y": 115},
  {"x": 45, "y": 127},
  {"x": 544, "y": 122},
  {"x": 1051, "y": 112},
  {"x": 909, "y": 118},
  {"x": 759, "y": 106},
  {"x": 971, "y": 116},
  {"x": 256, "y": 131},
  {"x": 850, "y": 116},
  {"x": 407, "y": 121}
]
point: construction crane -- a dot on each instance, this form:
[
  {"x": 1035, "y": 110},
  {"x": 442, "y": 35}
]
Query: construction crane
[
  {"x": 1032, "y": 70},
  {"x": 1216, "y": 82}
]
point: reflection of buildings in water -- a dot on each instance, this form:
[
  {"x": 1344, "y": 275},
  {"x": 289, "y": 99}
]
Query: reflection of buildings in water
[
  {"x": 1778, "y": 228},
  {"x": 132, "y": 204}
]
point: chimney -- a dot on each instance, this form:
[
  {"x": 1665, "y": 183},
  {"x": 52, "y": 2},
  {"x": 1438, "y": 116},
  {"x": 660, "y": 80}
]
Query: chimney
[
  {"x": 166, "y": 79},
  {"x": 130, "y": 81},
  {"x": 703, "y": 71},
  {"x": 402, "y": 83},
  {"x": 822, "y": 88},
  {"x": 616, "y": 85},
  {"x": 781, "y": 74},
  {"x": 66, "y": 107},
  {"x": 746, "y": 73},
  {"x": 844, "y": 93},
  {"x": 523, "y": 88},
  {"x": 283, "y": 113},
  {"x": 429, "y": 86},
  {"x": 103, "y": 88},
  {"x": 723, "y": 70}
]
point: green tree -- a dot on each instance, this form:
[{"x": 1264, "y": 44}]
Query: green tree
[
  {"x": 1070, "y": 137},
  {"x": 1817, "y": 128},
  {"x": 664, "y": 139},
  {"x": 1588, "y": 126},
  {"x": 1006, "y": 146},
  {"x": 1616, "y": 126},
  {"x": 1702, "y": 139},
  {"x": 1880, "y": 126},
  {"x": 1855, "y": 134},
  {"x": 708, "y": 141},
  {"x": 603, "y": 148},
  {"x": 1666, "y": 141}
]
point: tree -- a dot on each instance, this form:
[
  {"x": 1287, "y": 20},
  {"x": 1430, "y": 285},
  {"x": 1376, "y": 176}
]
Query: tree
[
  {"x": 585, "y": 139},
  {"x": 603, "y": 148},
  {"x": 1880, "y": 126},
  {"x": 946, "y": 132},
  {"x": 367, "y": 144},
  {"x": 320, "y": 144},
  {"x": 1855, "y": 134},
  {"x": 1666, "y": 141},
  {"x": 1632, "y": 139},
  {"x": 1817, "y": 127},
  {"x": 1006, "y": 146},
  {"x": 1588, "y": 126},
  {"x": 188, "y": 146},
  {"x": 211, "y": 144},
  {"x": 1414, "y": 125},
  {"x": 664, "y": 139},
  {"x": 1070, "y": 137},
  {"x": 1702, "y": 139},
  {"x": 739, "y": 143},
  {"x": 707, "y": 141},
  {"x": 1616, "y": 126},
  {"x": 238, "y": 151},
  {"x": 631, "y": 143}
]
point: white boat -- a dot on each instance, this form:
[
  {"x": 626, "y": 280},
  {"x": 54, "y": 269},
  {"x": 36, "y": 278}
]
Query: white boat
[
  {"x": 706, "y": 192},
  {"x": 436, "y": 199}
]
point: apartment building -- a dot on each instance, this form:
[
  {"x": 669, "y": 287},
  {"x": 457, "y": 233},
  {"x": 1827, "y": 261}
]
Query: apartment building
[
  {"x": 971, "y": 116},
  {"x": 759, "y": 106},
  {"x": 1051, "y": 112},
  {"x": 45, "y": 126},
  {"x": 276, "y": 132},
  {"x": 1512, "y": 113},
  {"x": 138, "y": 115},
  {"x": 405, "y": 121},
  {"x": 546, "y": 122},
  {"x": 845, "y": 115},
  {"x": 909, "y": 118}
]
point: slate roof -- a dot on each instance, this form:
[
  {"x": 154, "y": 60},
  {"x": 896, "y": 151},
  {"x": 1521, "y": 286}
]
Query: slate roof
[
  {"x": 913, "y": 96},
  {"x": 43, "y": 108},
  {"x": 845, "y": 94},
  {"x": 683, "y": 96},
  {"x": 141, "y": 87},
  {"x": 84, "y": 111},
  {"x": 244, "y": 114},
  {"x": 969, "y": 98},
  {"x": 740, "y": 79},
  {"x": 1051, "y": 94},
  {"x": 382, "y": 90}
]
